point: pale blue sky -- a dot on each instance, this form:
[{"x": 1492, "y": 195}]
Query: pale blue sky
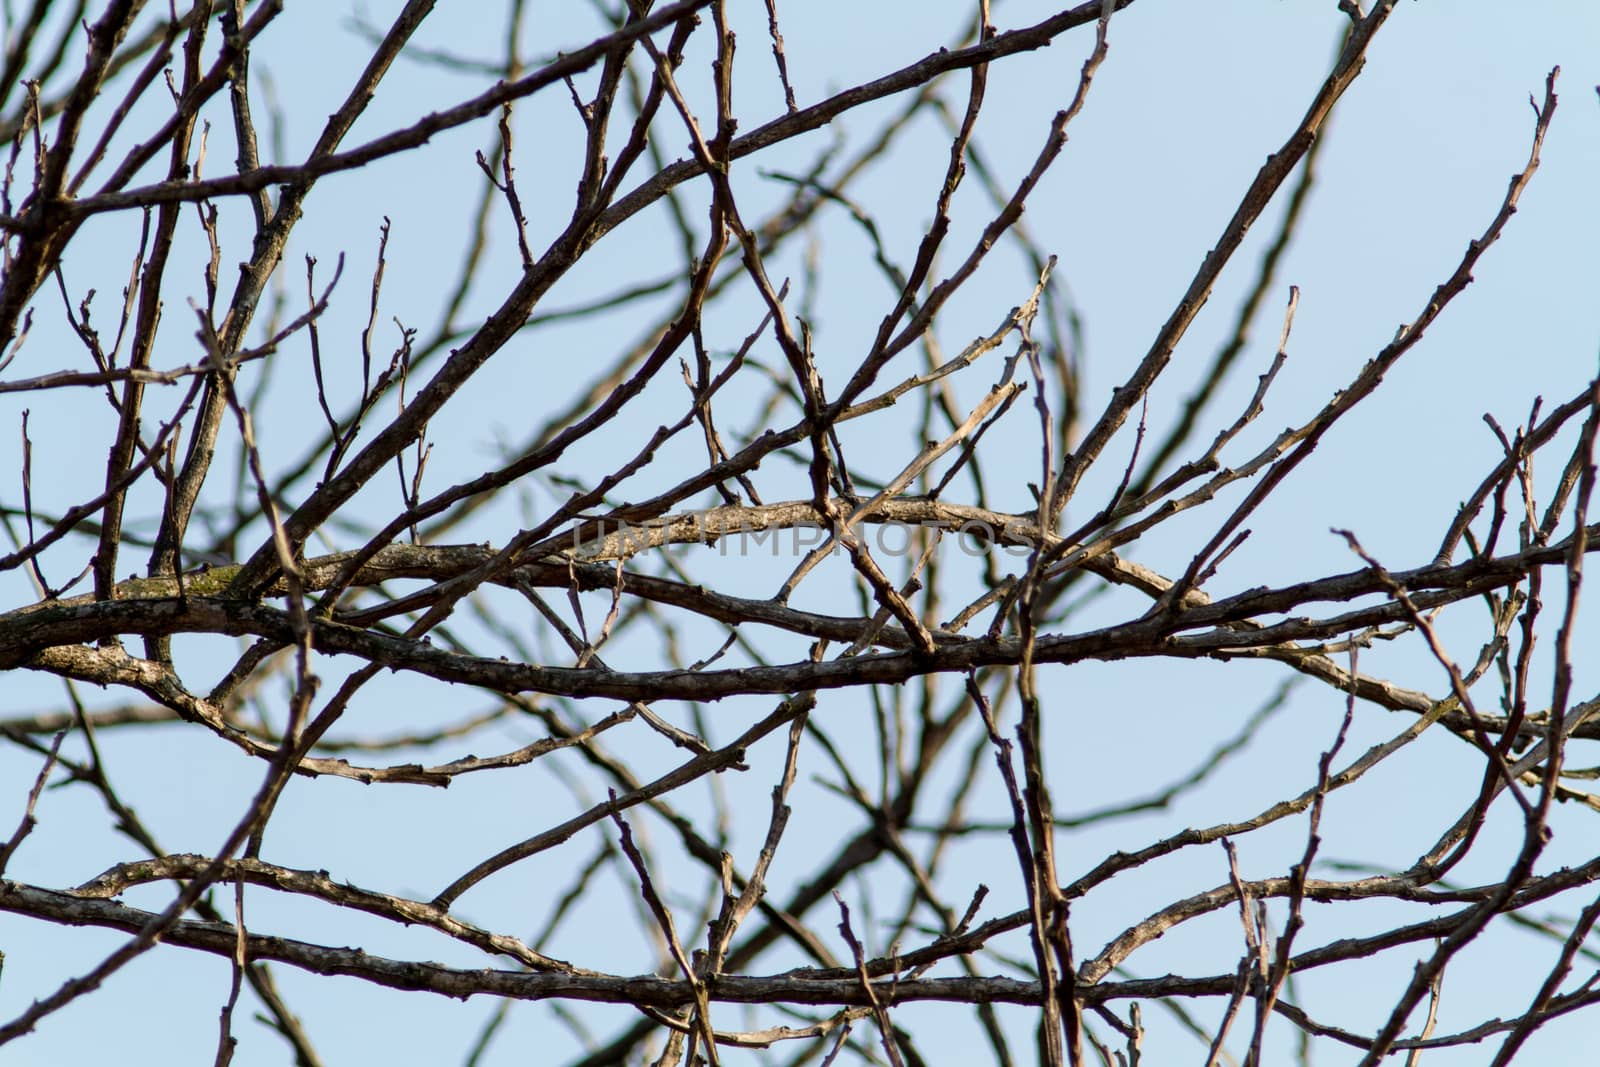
[{"x": 1190, "y": 101}]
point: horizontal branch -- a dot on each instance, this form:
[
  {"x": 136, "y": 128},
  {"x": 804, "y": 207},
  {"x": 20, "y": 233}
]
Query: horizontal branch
[
  {"x": 41, "y": 636},
  {"x": 221, "y": 939},
  {"x": 804, "y": 986}
]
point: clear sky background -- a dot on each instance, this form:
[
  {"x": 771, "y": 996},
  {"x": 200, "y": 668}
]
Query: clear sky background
[{"x": 1191, "y": 100}]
